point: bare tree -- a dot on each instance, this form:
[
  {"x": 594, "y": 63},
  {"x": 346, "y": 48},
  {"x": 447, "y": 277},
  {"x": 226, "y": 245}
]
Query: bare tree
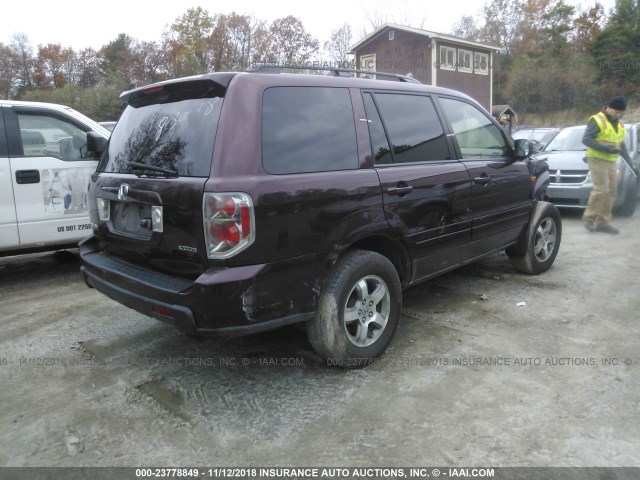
[
  {"x": 22, "y": 49},
  {"x": 338, "y": 46},
  {"x": 378, "y": 12}
]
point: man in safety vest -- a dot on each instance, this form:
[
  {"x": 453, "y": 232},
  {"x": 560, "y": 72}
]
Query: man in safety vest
[{"x": 604, "y": 138}]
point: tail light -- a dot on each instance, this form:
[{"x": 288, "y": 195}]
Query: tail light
[{"x": 229, "y": 224}]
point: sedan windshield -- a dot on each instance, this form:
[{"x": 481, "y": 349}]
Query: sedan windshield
[{"x": 569, "y": 139}]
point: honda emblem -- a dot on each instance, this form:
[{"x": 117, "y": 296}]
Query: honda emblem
[{"x": 123, "y": 191}]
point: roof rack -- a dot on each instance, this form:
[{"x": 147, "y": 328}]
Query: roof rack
[{"x": 274, "y": 68}]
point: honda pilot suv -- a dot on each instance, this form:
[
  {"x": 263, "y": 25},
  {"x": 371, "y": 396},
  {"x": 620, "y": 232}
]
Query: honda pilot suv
[{"x": 233, "y": 203}]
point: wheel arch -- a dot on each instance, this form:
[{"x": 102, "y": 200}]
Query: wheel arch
[{"x": 392, "y": 250}]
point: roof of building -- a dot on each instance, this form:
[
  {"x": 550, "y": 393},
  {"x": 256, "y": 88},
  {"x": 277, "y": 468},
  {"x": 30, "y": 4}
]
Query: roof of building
[
  {"x": 418, "y": 31},
  {"x": 498, "y": 110}
]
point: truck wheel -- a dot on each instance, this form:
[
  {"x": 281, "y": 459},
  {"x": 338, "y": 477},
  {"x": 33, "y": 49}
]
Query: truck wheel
[
  {"x": 542, "y": 241},
  {"x": 358, "y": 310},
  {"x": 628, "y": 207}
]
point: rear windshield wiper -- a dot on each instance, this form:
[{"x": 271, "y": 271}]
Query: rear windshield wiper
[{"x": 153, "y": 168}]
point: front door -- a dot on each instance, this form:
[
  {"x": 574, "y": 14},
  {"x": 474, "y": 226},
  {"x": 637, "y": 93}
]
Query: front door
[
  {"x": 500, "y": 198},
  {"x": 50, "y": 169},
  {"x": 424, "y": 187}
]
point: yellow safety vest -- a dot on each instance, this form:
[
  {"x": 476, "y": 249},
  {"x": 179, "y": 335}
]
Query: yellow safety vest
[{"x": 608, "y": 135}]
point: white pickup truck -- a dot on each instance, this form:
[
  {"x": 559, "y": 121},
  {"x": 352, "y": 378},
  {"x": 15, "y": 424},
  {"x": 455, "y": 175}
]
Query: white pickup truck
[{"x": 44, "y": 174}]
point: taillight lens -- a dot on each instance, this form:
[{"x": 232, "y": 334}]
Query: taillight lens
[{"x": 229, "y": 224}]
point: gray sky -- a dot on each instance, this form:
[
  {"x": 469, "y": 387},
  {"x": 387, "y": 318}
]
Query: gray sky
[{"x": 80, "y": 24}]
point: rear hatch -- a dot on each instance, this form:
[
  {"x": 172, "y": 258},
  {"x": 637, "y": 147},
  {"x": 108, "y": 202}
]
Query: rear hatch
[{"x": 149, "y": 184}]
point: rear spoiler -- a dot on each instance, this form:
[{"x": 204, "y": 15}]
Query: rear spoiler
[{"x": 221, "y": 80}]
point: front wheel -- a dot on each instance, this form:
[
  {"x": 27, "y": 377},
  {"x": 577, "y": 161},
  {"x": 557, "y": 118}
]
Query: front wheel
[
  {"x": 540, "y": 246},
  {"x": 358, "y": 311}
]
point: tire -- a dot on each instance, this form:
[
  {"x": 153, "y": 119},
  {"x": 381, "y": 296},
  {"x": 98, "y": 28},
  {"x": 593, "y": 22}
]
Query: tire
[
  {"x": 541, "y": 243},
  {"x": 358, "y": 310},
  {"x": 630, "y": 202}
]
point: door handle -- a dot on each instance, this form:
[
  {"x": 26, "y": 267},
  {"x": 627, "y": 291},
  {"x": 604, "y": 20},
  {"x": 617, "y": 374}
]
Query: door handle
[
  {"x": 401, "y": 189},
  {"x": 482, "y": 180},
  {"x": 27, "y": 176}
]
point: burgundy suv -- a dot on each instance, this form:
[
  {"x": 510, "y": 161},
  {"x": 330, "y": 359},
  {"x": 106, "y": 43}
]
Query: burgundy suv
[{"x": 232, "y": 203}]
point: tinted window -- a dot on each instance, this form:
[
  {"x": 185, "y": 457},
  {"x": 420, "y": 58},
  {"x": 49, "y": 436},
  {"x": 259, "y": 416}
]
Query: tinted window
[
  {"x": 43, "y": 134},
  {"x": 172, "y": 129},
  {"x": 477, "y": 135},
  {"x": 413, "y": 127},
  {"x": 308, "y": 129},
  {"x": 379, "y": 143}
]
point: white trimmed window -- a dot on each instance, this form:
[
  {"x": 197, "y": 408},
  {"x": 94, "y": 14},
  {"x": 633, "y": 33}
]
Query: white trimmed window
[
  {"x": 464, "y": 61},
  {"x": 368, "y": 62},
  {"x": 447, "y": 58},
  {"x": 481, "y": 63}
]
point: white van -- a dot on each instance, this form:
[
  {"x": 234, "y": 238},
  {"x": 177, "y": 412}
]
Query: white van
[{"x": 44, "y": 173}]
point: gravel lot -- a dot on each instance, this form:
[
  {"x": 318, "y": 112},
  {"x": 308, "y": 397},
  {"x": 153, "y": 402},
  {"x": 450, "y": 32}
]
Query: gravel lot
[{"x": 471, "y": 378}]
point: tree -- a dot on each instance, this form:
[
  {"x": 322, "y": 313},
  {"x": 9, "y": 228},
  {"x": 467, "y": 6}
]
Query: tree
[
  {"x": 9, "y": 72},
  {"x": 587, "y": 26},
  {"x": 117, "y": 58},
  {"x": 614, "y": 50},
  {"x": 466, "y": 28},
  {"x": 501, "y": 21},
  {"x": 148, "y": 63},
  {"x": 24, "y": 55},
  {"x": 88, "y": 63},
  {"x": 53, "y": 66},
  {"x": 379, "y": 12},
  {"x": 292, "y": 44},
  {"x": 193, "y": 40},
  {"x": 338, "y": 46}
]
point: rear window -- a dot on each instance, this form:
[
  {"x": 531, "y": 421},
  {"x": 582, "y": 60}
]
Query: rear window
[
  {"x": 308, "y": 129},
  {"x": 171, "y": 129}
]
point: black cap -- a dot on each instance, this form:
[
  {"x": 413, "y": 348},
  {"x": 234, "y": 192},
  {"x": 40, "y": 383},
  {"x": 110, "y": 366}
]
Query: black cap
[{"x": 618, "y": 103}]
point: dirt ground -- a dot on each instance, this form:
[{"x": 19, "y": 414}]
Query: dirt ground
[{"x": 489, "y": 367}]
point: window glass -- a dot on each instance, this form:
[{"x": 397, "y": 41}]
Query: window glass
[
  {"x": 464, "y": 61},
  {"x": 481, "y": 63},
  {"x": 413, "y": 127},
  {"x": 447, "y": 58},
  {"x": 568, "y": 139},
  {"x": 368, "y": 62},
  {"x": 44, "y": 135},
  {"x": 476, "y": 134},
  {"x": 308, "y": 129},
  {"x": 171, "y": 130},
  {"x": 379, "y": 143}
]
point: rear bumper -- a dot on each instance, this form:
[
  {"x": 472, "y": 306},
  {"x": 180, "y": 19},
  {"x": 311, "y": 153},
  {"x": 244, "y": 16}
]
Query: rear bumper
[{"x": 220, "y": 302}]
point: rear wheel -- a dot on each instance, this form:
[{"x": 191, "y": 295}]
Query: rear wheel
[
  {"x": 542, "y": 241},
  {"x": 358, "y": 310}
]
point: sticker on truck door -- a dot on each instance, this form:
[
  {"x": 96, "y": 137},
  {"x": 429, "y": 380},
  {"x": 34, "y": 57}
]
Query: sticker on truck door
[{"x": 64, "y": 191}]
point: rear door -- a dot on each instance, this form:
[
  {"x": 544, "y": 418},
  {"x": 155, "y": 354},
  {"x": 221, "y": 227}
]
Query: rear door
[
  {"x": 150, "y": 180},
  {"x": 8, "y": 224},
  {"x": 500, "y": 198},
  {"x": 50, "y": 169},
  {"x": 424, "y": 187}
]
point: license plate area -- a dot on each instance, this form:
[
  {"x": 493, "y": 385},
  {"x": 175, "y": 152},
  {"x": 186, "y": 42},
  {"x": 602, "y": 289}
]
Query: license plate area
[{"x": 132, "y": 219}]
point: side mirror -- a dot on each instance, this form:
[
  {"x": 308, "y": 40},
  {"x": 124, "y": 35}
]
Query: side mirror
[
  {"x": 96, "y": 143},
  {"x": 523, "y": 148}
]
